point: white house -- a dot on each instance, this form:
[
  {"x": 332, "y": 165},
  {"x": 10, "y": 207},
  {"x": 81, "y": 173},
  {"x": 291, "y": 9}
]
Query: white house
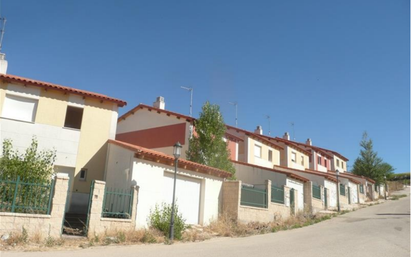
[{"x": 198, "y": 187}]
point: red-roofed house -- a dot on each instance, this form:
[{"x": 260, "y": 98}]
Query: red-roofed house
[
  {"x": 76, "y": 123},
  {"x": 198, "y": 187},
  {"x": 159, "y": 129}
]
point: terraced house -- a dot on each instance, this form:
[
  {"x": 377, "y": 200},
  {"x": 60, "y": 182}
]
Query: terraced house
[{"x": 76, "y": 123}]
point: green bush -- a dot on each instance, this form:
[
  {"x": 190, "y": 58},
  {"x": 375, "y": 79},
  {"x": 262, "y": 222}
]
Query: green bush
[{"x": 159, "y": 218}]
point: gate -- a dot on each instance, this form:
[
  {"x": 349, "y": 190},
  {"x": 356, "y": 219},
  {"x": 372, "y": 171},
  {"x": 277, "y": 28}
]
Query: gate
[
  {"x": 86, "y": 228},
  {"x": 348, "y": 195},
  {"x": 292, "y": 200},
  {"x": 325, "y": 196}
]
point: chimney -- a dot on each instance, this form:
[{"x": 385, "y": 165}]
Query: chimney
[
  {"x": 309, "y": 141},
  {"x": 3, "y": 64},
  {"x": 259, "y": 130},
  {"x": 160, "y": 103},
  {"x": 286, "y": 136}
]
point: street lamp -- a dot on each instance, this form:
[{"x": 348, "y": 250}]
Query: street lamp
[
  {"x": 337, "y": 189},
  {"x": 176, "y": 152},
  {"x": 384, "y": 177}
]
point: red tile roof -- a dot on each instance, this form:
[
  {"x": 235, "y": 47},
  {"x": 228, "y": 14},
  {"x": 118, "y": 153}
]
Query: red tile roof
[
  {"x": 317, "y": 149},
  {"x": 258, "y": 137},
  {"x": 150, "y": 108},
  {"x": 233, "y": 137},
  {"x": 151, "y": 155},
  {"x": 47, "y": 85},
  {"x": 347, "y": 176},
  {"x": 312, "y": 172},
  {"x": 289, "y": 174}
]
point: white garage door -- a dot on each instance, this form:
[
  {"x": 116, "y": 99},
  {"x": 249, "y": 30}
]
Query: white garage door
[{"x": 187, "y": 196}]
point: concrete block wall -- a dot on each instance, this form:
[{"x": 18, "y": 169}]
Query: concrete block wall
[
  {"x": 99, "y": 225},
  {"x": 40, "y": 224},
  {"x": 307, "y": 195},
  {"x": 231, "y": 191}
]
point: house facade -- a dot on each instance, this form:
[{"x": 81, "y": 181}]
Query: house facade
[
  {"x": 198, "y": 187},
  {"x": 75, "y": 123}
]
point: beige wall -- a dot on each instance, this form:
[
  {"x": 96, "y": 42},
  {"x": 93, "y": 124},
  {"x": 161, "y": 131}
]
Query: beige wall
[
  {"x": 264, "y": 159},
  {"x": 51, "y": 109},
  {"x": 95, "y": 131},
  {"x": 43, "y": 225},
  {"x": 340, "y": 168}
]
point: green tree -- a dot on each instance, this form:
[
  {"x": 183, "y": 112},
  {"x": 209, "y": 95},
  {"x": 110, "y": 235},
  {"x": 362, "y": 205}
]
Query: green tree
[
  {"x": 32, "y": 165},
  {"x": 369, "y": 164},
  {"x": 207, "y": 146}
]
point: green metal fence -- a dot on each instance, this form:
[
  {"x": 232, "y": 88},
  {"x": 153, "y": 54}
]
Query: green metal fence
[
  {"x": 278, "y": 195},
  {"x": 25, "y": 196},
  {"x": 117, "y": 203},
  {"x": 254, "y": 197},
  {"x": 316, "y": 191},
  {"x": 342, "y": 190}
]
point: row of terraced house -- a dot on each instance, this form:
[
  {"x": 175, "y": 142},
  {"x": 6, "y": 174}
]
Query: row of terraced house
[{"x": 99, "y": 154}]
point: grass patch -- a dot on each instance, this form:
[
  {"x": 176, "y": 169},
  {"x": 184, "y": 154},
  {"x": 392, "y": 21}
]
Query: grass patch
[{"x": 397, "y": 197}]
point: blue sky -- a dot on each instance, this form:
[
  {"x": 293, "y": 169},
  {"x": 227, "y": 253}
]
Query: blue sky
[{"x": 333, "y": 68}]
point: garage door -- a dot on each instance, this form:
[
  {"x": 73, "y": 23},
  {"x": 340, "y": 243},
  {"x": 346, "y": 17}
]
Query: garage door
[{"x": 187, "y": 196}]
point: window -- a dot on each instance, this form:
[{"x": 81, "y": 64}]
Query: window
[
  {"x": 337, "y": 163},
  {"x": 19, "y": 108},
  {"x": 342, "y": 165},
  {"x": 319, "y": 160},
  {"x": 293, "y": 157},
  {"x": 74, "y": 117},
  {"x": 326, "y": 163},
  {"x": 270, "y": 155},
  {"x": 258, "y": 151},
  {"x": 83, "y": 174},
  {"x": 302, "y": 160}
]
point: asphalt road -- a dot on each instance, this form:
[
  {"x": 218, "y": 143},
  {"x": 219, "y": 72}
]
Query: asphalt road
[{"x": 380, "y": 230}]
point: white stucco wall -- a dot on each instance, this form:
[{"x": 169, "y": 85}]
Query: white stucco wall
[
  {"x": 297, "y": 185},
  {"x": 123, "y": 170},
  {"x": 64, "y": 140},
  {"x": 332, "y": 193},
  {"x": 353, "y": 192}
]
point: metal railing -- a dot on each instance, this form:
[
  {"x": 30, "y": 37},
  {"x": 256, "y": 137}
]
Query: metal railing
[
  {"x": 25, "y": 196},
  {"x": 117, "y": 203},
  {"x": 316, "y": 192},
  {"x": 342, "y": 190},
  {"x": 278, "y": 195},
  {"x": 254, "y": 197}
]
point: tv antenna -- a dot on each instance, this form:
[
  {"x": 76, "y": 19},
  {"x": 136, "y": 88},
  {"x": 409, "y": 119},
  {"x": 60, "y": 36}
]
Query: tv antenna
[
  {"x": 191, "y": 98},
  {"x": 293, "y": 130},
  {"x": 3, "y": 26},
  {"x": 268, "y": 117},
  {"x": 235, "y": 104}
]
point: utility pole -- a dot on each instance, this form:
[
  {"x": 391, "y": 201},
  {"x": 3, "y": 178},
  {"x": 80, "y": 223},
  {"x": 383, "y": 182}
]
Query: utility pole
[
  {"x": 191, "y": 99},
  {"x": 235, "y": 104}
]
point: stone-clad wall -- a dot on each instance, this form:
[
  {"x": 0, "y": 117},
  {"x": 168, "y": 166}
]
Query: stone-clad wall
[
  {"x": 40, "y": 224},
  {"x": 97, "y": 224}
]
